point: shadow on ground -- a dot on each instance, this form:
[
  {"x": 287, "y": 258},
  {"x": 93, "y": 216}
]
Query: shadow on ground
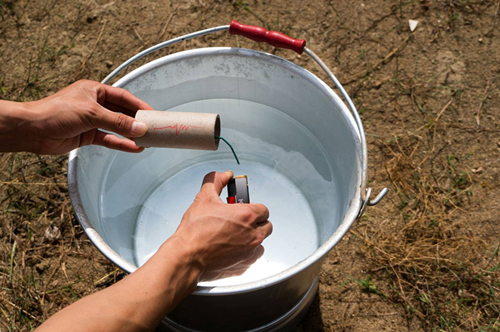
[{"x": 312, "y": 321}]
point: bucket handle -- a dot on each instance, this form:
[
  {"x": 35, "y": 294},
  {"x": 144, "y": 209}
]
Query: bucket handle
[
  {"x": 273, "y": 38},
  {"x": 280, "y": 40}
]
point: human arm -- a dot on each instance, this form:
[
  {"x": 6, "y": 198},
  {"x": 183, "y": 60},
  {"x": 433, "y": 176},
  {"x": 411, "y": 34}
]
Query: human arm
[
  {"x": 213, "y": 240},
  {"x": 71, "y": 118}
]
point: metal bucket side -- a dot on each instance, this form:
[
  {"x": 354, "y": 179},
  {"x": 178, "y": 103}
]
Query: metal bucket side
[
  {"x": 196, "y": 313},
  {"x": 288, "y": 287},
  {"x": 315, "y": 256}
]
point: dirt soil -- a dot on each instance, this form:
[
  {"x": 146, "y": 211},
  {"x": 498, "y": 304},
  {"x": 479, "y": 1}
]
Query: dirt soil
[{"x": 424, "y": 259}]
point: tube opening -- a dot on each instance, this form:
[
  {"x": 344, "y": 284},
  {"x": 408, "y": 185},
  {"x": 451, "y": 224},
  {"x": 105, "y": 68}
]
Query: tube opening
[{"x": 217, "y": 132}]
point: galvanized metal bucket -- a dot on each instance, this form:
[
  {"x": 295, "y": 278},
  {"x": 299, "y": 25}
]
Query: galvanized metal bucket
[{"x": 107, "y": 188}]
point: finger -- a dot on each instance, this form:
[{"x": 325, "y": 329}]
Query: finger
[
  {"x": 214, "y": 182},
  {"x": 121, "y": 97},
  {"x": 264, "y": 229},
  {"x": 120, "y": 109},
  {"x": 261, "y": 210},
  {"x": 121, "y": 124},
  {"x": 116, "y": 143}
]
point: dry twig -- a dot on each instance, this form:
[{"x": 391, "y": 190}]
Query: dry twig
[
  {"x": 56, "y": 267},
  {"x": 21, "y": 309},
  {"x": 84, "y": 63},
  {"x": 485, "y": 95},
  {"x": 160, "y": 35},
  {"x": 378, "y": 64}
]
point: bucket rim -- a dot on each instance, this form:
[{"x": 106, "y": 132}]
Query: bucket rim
[{"x": 317, "y": 255}]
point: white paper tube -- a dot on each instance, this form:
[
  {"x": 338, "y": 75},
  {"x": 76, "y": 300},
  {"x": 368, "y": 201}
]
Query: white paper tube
[{"x": 179, "y": 130}]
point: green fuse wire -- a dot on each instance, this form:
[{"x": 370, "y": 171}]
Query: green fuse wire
[{"x": 230, "y": 146}]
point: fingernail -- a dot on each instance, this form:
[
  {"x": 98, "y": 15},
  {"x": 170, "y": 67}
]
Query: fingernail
[
  {"x": 230, "y": 173},
  {"x": 139, "y": 128}
]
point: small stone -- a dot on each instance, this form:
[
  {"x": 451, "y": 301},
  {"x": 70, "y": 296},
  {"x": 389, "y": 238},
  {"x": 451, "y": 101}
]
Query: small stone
[
  {"x": 42, "y": 266},
  {"x": 377, "y": 84},
  {"x": 477, "y": 170},
  {"x": 413, "y": 24},
  {"x": 109, "y": 64},
  {"x": 91, "y": 19},
  {"x": 52, "y": 233},
  {"x": 480, "y": 40}
]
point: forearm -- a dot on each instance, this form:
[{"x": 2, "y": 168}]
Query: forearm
[
  {"x": 138, "y": 302},
  {"x": 15, "y": 133},
  {"x": 213, "y": 240}
]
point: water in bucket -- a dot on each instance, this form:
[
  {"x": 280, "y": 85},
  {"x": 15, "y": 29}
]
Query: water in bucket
[{"x": 288, "y": 171}]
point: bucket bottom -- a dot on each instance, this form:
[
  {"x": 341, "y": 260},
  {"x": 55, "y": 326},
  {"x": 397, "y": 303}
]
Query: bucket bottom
[{"x": 285, "y": 323}]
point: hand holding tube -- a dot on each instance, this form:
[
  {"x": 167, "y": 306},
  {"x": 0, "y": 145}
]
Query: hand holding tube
[{"x": 71, "y": 118}]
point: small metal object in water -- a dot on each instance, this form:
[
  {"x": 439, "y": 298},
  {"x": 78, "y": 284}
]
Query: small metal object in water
[{"x": 237, "y": 190}]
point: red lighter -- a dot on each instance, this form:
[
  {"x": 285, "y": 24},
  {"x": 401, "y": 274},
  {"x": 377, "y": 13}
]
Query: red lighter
[{"x": 237, "y": 190}]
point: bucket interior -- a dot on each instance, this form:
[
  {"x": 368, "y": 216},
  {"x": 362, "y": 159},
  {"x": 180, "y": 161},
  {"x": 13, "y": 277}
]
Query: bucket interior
[{"x": 294, "y": 137}]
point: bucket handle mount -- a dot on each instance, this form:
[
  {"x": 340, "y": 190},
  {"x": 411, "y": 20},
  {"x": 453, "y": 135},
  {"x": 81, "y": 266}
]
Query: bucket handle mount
[{"x": 280, "y": 40}]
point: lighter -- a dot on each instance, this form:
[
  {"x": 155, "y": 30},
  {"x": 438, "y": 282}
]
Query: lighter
[{"x": 237, "y": 190}]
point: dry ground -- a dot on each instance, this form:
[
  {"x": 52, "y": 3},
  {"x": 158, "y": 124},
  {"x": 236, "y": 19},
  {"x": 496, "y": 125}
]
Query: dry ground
[{"x": 425, "y": 259}]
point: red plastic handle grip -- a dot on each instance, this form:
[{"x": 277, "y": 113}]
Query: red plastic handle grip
[{"x": 274, "y": 38}]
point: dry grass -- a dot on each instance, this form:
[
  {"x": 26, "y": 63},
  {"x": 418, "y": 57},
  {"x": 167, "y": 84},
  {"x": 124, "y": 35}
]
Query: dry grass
[
  {"x": 435, "y": 264},
  {"x": 41, "y": 239}
]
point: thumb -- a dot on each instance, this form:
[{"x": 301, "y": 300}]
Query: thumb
[
  {"x": 214, "y": 182},
  {"x": 119, "y": 123}
]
